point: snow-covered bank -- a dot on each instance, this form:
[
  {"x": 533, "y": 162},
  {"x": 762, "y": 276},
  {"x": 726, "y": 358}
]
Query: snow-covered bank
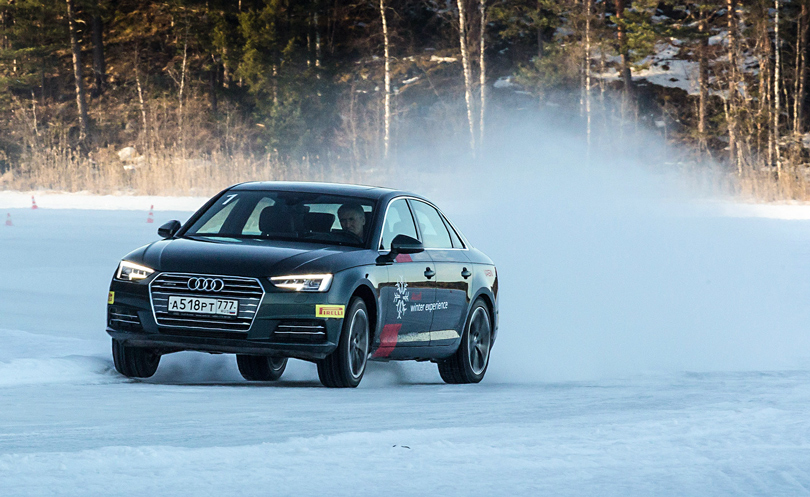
[
  {"x": 55, "y": 200},
  {"x": 86, "y": 201}
]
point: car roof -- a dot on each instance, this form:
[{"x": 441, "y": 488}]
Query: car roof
[{"x": 373, "y": 192}]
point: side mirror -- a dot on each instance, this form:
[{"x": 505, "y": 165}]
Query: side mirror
[
  {"x": 169, "y": 229},
  {"x": 404, "y": 244}
]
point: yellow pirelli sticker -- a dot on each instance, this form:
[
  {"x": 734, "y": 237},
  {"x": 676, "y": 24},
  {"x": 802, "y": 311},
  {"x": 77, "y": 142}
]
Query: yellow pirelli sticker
[
  {"x": 329, "y": 311},
  {"x": 111, "y": 298}
]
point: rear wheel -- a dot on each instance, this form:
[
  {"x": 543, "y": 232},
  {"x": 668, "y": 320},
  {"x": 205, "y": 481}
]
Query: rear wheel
[
  {"x": 346, "y": 365},
  {"x": 134, "y": 362},
  {"x": 469, "y": 363},
  {"x": 261, "y": 368}
]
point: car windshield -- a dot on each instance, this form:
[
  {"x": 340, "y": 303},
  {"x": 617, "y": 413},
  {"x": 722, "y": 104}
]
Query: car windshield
[{"x": 291, "y": 216}]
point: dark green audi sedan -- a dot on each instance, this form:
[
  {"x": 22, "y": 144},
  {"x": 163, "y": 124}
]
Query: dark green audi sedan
[{"x": 333, "y": 274}]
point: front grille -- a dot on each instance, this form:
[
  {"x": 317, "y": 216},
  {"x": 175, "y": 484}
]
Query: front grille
[
  {"x": 123, "y": 318},
  {"x": 247, "y": 291},
  {"x": 300, "y": 331}
]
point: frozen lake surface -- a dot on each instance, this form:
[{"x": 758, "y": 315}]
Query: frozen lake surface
[{"x": 641, "y": 353}]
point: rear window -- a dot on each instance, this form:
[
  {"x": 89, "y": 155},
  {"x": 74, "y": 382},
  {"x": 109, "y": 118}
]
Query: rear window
[{"x": 292, "y": 216}]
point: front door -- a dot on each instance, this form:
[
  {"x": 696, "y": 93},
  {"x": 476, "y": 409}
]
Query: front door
[
  {"x": 409, "y": 293},
  {"x": 453, "y": 274}
]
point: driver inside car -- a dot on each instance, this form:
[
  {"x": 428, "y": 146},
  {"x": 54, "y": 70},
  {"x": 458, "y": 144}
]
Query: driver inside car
[{"x": 352, "y": 219}]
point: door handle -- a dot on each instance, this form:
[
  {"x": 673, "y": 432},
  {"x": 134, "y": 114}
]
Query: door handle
[
  {"x": 429, "y": 273},
  {"x": 465, "y": 273}
]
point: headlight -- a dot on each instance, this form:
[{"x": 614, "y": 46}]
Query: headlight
[
  {"x": 129, "y": 271},
  {"x": 304, "y": 282}
]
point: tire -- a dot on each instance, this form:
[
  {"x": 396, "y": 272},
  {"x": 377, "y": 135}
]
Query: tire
[
  {"x": 469, "y": 363},
  {"x": 261, "y": 368},
  {"x": 344, "y": 368},
  {"x": 134, "y": 362}
]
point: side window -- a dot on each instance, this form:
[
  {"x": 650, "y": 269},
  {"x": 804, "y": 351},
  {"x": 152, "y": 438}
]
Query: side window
[
  {"x": 434, "y": 233},
  {"x": 457, "y": 243},
  {"x": 398, "y": 221}
]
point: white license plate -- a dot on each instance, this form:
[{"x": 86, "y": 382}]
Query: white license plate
[{"x": 196, "y": 305}]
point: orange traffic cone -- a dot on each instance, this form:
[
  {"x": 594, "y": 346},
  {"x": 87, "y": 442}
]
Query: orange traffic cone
[
  {"x": 33, "y": 203},
  {"x": 8, "y": 220},
  {"x": 150, "y": 219}
]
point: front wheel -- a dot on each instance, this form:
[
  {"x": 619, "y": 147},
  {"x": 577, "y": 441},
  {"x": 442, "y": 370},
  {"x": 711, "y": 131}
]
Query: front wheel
[
  {"x": 134, "y": 362},
  {"x": 469, "y": 363},
  {"x": 345, "y": 366},
  {"x": 261, "y": 368}
]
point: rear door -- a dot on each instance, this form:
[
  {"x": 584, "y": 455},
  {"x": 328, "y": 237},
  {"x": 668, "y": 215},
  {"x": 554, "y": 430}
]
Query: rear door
[
  {"x": 409, "y": 292},
  {"x": 453, "y": 273}
]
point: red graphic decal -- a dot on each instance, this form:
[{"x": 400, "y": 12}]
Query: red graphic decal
[
  {"x": 416, "y": 296},
  {"x": 388, "y": 340},
  {"x": 404, "y": 258},
  {"x": 488, "y": 273}
]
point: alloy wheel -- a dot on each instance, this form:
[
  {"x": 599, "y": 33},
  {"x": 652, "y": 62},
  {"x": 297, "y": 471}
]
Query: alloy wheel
[
  {"x": 478, "y": 340},
  {"x": 358, "y": 343}
]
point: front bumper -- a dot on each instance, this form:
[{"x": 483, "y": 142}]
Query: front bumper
[{"x": 131, "y": 319}]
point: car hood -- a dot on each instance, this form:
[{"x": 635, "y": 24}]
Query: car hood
[{"x": 244, "y": 258}]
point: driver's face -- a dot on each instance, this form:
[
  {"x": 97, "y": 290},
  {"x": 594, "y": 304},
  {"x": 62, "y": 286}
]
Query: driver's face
[{"x": 353, "y": 221}]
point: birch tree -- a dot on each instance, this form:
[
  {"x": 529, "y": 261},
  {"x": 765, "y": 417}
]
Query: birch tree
[
  {"x": 801, "y": 73},
  {"x": 731, "y": 99},
  {"x": 465, "y": 62},
  {"x": 387, "y": 111},
  {"x": 776, "y": 90},
  {"x": 703, "y": 75},
  {"x": 482, "y": 70},
  {"x": 588, "y": 9}
]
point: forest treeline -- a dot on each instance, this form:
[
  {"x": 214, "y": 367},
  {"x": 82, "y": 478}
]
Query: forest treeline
[{"x": 188, "y": 95}]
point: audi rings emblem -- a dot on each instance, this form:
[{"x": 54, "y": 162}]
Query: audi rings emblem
[{"x": 206, "y": 284}]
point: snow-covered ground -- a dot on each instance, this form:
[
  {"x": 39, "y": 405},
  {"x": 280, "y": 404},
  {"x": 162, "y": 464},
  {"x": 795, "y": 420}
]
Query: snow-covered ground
[{"x": 646, "y": 348}]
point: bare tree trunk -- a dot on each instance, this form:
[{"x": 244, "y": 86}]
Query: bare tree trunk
[
  {"x": 81, "y": 102},
  {"x": 212, "y": 83},
  {"x": 465, "y": 62},
  {"x": 3, "y": 20},
  {"x": 482, "y": 75},
  {"x": 801, "y": 75},
  {"x": 353, "y": 126},
  {"x": 226, "y": 68},
  {"x": 764, "y": 89},
  {"x": 602, "y": 70},
  {"x": 34, "y": 113},
  {"x": 776, "y": 80},
  {"x": 99, "y": 64},
  {"x": 588, "y": 8},
  {"x": 182, "y": 117},
  {"x": 309, "y": 40},
  {"x": 142, "y": 103},
  {"x": 731, "y": 106},
  {"x": 769, "y": 98},
  {"x": 387, "y": 118},
  {"x": 540, "y": 41},
  {"x": 622, "y": 35},
  {"x": 703, "y": 78},
  {"x": 317, "y": 42},
  {"x": 274, "y": 83}
]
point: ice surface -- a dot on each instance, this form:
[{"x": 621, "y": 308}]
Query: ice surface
[{"x": 651, "y": 343}]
